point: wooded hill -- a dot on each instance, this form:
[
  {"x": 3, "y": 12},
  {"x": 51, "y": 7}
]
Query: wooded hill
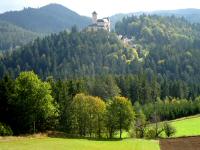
[
  {"x": 158, "y": 72},
  {"x": 48, "y": 19},
  {"x": 192, "y": 15},
  {"x": 173, "y": 44},
  {"x": 12, "y": 36},
  {"x": 166, "y": 50}
]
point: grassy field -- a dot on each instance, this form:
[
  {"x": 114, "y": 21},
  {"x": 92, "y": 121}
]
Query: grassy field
[
  {"x": 189, "y": 126},
  {"x": 77, "y": 144}
]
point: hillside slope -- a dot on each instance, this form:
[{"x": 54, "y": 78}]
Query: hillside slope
[
  {"x": 190, "y": 14},
  {"x": 167, "y": 47},
  {"x": 66, "y": 55},
  {"x": 48, "y": 19},
  {"x": 12, "y": 36},
  {"x": 173, "y": 44}
]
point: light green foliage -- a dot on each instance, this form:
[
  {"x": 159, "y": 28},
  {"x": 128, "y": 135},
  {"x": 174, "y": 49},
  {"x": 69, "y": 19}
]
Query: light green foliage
[
  {"x": 187, "y": 126},
  {"x": 119, "y": 115},
  {"x": 5, "y": 130},
  {"x": 140, "y": 124},
  {"x": 87, "y": 115},
  {"x": 33, "y": 100},
  {"x": 79, "y": 144}
]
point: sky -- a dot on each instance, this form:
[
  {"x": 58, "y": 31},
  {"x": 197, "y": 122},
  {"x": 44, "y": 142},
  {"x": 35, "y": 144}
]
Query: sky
[{"x": 103, "y": 7}]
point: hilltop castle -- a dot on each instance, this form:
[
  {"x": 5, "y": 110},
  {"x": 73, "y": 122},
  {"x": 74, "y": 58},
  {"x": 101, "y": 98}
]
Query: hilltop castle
[{"x": 103, "y": 23}]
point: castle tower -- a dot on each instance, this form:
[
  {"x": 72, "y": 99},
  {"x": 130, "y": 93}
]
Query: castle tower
[{"x": 94, "y": 17}]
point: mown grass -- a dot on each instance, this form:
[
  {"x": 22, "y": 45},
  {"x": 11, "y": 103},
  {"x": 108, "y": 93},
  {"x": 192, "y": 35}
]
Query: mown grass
[
  {"x": 189, "y": 126},
  {"x": 77, "y": 144}
]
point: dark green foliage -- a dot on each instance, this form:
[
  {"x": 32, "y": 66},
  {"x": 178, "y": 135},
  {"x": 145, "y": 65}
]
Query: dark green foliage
[
  {"x": 24, "y": 108},
  {"x": 47, "y": 19},
  {"x": 7, "y": 86},
  {"x": 164, "y": 63},
  {"x": 151, "y": 133},
  {"x": 154, "y": 131},
  {"x": 172, "y": 108},
  {"x": 169, "y": 129},
  {"x": 63, "y": 93},
  {"x": 160, "y": 72},
  {"x": 66, "y": 55},
  {"x": 5, "y": 130},
  {"x": 104, "y": 87}
]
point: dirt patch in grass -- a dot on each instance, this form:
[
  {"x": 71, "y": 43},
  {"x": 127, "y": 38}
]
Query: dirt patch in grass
[
  {"x": 22, "y": 137},
  {"x": 183, "y": 143},
  {"x": 53, "y": 134}
]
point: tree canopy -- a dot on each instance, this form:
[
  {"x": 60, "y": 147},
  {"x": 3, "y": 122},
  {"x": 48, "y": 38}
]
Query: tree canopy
[{"x": 32, "y": 101}]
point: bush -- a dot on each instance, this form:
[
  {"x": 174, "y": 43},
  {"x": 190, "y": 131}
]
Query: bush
[
  {"x": 5, "y": 130},
  {"x": 151, "y": 133},
  {"x": 132, "y": 132},
  {"x": 140, "y": 125},
  {"x": 155, "y": 131},
  {"x": 169, "y": 129}
]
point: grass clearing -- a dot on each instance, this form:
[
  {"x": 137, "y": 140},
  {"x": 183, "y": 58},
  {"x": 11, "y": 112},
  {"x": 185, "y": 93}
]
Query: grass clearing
[
  {"x": 189, "y": 126},
  {"x": 77, "y": 144}
]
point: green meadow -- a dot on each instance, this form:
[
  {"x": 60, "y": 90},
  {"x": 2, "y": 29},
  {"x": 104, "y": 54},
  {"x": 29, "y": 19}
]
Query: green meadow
[
  {"x": 78, "y": 144},
  {"x": 189, "y": 126}
]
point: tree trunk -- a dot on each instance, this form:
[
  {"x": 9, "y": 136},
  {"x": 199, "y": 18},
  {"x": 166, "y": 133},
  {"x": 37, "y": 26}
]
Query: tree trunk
[
  {"x": 120, "y": 125},
  {"x": 34, "y": 126},
  {"x": 111, "y": 133},
  {"x": 120, "y": 130},
  {"x": 99, "y": 128}
]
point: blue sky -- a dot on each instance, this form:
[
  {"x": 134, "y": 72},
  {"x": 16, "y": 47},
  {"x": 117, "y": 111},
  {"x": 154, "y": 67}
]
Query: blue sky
[{"x": 103, "y": 7}]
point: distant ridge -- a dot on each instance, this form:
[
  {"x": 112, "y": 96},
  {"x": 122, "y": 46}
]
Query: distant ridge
[
  {"x": 12, "y": 36},
  {"x": 47, "y": 19},
  {"x": 190, "y": 14}
]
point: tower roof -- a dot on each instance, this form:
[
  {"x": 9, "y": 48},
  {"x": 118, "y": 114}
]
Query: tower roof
[{"x": 94, "y": 13}]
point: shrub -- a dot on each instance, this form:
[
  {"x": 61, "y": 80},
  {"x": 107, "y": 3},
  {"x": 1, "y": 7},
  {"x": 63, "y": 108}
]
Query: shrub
[
  {"x": 169, "y": 129},
  {"x": 151, "y": 133},
  {"x": 5, "y": 130},
  {"x": 140, "y": 125},
  {"x": 155, "y": 131}
]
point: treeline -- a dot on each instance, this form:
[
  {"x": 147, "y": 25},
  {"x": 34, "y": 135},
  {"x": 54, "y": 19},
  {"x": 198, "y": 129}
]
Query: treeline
[
  {"x": 81, "y": 107},
  {"x": 29, "y": 105},
  {"x": 170, "y": 108}
]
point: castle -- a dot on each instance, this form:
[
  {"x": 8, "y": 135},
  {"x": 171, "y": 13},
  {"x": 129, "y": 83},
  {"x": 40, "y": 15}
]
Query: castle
[{"x": 103, "y": 23}]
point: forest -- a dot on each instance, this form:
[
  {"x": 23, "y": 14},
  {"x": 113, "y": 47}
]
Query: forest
[
  {"x": 12, "y": 37},
  {"x": 72, "y": 80}
]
